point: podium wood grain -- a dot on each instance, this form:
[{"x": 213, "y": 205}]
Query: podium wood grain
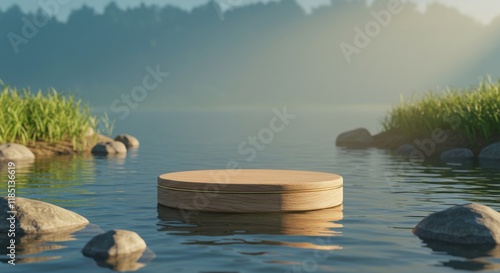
[{"x": 250, "y": 190}]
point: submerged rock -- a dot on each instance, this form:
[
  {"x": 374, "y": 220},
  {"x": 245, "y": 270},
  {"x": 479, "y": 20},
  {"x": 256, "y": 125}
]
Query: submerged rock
[
  {"x": 490, "y": 152},
  {"x": 128, "y": 140},
  {"x": 13, "y": 151},
  {"x": 32, "y": 216},
  {"x": 465, "y": 224},
  {"x": 457, "y": 154},
  {"x": 358, "y": 138},
  {"x": 109, "y": 147},
  {"x": 113, "y": 243}
]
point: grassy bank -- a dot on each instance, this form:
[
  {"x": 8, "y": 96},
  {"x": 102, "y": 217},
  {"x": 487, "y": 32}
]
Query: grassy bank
[
  {"x": 50, "y": 118},
  {"x": 474, "y": 113}
]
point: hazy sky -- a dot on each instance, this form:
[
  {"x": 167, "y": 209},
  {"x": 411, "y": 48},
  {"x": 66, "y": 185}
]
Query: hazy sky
[{"x": 482, "y": 10}]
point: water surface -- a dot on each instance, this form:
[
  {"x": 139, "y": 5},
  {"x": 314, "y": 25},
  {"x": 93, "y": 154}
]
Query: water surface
[{"x": 384, "y": 197}]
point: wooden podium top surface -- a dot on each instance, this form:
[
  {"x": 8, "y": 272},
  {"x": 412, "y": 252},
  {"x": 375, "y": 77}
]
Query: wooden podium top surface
[{"x": 250, "y": 180}]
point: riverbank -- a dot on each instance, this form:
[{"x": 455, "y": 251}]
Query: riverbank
[
  {"x": 44, "y": 149},
  {"x": 466, "y": 119},
  {"x": 49, "y": 123}
]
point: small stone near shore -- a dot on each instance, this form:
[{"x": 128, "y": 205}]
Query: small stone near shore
[
  {"x": 357, "y": 138},
  {"x": 457, "y": 155},
  {"x": 13, "y": 151},
  {"x": 406, "y": 150},
  {"x": 113, "y": 243},
  {"x": 33, "y": 216},
  {"x": 464, "y": 224},
  {"x": 109, "y": 147},
  {"x": 490, "y": 152},
  {"x": 128, "y": 140}
]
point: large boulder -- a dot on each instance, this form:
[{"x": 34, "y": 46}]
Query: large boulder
[
  {"x": 32, "y": 216},
  {"x": 13, "y": 152},
  {"x": 109, "y": 147},
  {"x": 113, "y": 243},
  {"x": 465, "y": 224},
  {"x": 490, "y": 152},
  {"x": 457, "y": 155},
  {"x": 128, "y": 140},
  {"x": 358, "y": 138}
]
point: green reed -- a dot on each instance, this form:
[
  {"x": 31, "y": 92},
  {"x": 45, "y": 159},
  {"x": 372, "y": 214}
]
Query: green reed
[
  {"x": 474, "y": 112},
  {"x": 27, "y": 117}
]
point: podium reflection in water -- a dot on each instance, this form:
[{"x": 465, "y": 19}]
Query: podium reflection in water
[{"x": 310, "y": 223}]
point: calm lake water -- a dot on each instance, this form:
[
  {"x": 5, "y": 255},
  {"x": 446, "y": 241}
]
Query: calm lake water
[{"x": 384, "y": 197}]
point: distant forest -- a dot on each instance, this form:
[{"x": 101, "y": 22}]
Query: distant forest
[{"x": 271, "y": 53}]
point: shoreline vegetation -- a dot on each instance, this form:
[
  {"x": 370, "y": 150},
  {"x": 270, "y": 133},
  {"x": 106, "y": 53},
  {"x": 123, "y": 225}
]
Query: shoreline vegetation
[
  {"x": 49, "y": 123},
  {"x": 466, "y": 118}
]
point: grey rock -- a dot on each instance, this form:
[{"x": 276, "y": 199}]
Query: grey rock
[
  {"x": 114, "y": 243},
  {"x": 128, "y": 140},
  {"x": 457, "y": 154},
  {"x": 490, "y": 152},
  {"x": 493, "y": 165},
  {"x": 357, "y": 138},
  {"x": 406, "y": 150},
  {"x": 465, "y": 224},
  {"x": 32, "y": 216},
  {"x": 110, "y": 147},
  {"x": 13, "y": 151}
]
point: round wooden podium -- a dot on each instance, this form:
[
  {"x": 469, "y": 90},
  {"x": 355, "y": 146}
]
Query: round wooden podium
[{"x": 250, "y": 190}]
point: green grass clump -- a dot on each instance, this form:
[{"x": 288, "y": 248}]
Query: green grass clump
[
  {"x": 51, "y": 117},
  {"x": 473, "y": 112}
]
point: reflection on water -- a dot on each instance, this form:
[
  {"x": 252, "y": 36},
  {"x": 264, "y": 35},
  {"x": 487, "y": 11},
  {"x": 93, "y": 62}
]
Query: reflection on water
[
  {"x": 310, "y": 223},
  {"x": 127, "y": 262},
  {"x": 384, "y": 199},
  {"x": 56, "y": 172},
  {"x": 236, "y": 241},
  {"x": 118, "y": 158},
  {"x": 476, "y": 256},
  {"x": 29, "y": 245},
  {"x": 22, "y": 164},
  {"x": 476, "y": 182}
]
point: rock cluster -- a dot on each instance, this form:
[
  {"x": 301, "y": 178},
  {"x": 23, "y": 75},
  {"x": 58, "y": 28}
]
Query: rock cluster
[
  {"x": 440, "y": 144},
  {"x": 128, "y": 140},
  {"x": 118, "y": 146},
  {"x": 36, "y": 222},
  {"x": 109, "y": 147}
]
